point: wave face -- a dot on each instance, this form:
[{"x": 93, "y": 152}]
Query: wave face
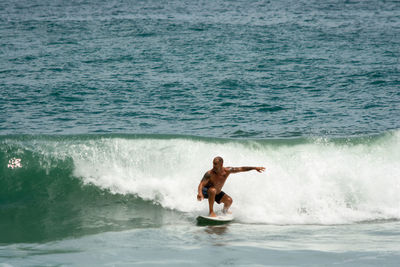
[{"x": 71, "y": 185}]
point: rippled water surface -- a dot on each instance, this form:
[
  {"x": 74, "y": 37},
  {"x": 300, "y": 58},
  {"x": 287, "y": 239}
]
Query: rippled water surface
[{"x": 210, "y": 68}]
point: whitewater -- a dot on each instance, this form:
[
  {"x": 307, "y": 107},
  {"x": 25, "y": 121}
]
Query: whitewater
[{"x": 307, "y": 181}]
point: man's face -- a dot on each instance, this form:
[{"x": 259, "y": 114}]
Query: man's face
[{"x": 217, "y": 164}]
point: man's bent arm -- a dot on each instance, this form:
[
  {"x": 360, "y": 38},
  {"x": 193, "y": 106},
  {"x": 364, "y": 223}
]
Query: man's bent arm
[{"x": 203, "y": 182}]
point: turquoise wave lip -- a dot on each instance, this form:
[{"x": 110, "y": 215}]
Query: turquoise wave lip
[
  {"x": 289, "y": 140},
  {"x": 43, "y": 201}
]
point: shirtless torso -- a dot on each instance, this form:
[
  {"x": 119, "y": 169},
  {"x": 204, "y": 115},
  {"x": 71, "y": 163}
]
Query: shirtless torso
[{"x": 216, "y": 180}]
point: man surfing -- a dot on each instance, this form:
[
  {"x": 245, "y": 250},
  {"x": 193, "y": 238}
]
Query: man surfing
[{"x": 213, "y": 180}]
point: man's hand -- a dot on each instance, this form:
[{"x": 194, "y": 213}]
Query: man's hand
[
  {"x": 260, "y": 169},
  {"x": 200, "y": 197}
]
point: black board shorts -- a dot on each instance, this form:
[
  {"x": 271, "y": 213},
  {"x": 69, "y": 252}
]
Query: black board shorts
[{"x": 218, "y": 197}]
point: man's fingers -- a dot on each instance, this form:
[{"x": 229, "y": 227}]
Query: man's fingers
[{"x": 260, "y": 169}]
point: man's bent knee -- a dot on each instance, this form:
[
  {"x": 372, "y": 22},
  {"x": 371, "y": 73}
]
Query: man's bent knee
[
  {"x": 228, "y": 200},
  {"x": 212, "y": 191}
]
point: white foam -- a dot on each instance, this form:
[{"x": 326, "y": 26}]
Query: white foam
[
  {"x": 14, "y": 163},
  {"x": 318, "y": 182}
]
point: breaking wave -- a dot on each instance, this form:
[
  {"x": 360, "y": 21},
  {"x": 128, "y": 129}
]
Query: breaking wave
[{"x": 307, "y": 181}]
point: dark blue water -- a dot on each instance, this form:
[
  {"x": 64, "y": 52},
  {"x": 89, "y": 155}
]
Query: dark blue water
[
  {"x": 209, "y": 68},
  {"x": 111, "y": 111}
]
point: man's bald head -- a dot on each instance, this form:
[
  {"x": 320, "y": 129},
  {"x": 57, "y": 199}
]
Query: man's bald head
[
  {"x": 217, "y": 164},
  {"x": 218, "y": 160}
]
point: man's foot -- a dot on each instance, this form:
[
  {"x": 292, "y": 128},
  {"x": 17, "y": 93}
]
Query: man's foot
[
  {"x": 212, "y": 214},
  {"x": 226, "y": 211}
]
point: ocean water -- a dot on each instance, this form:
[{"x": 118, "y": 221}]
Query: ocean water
[{"x": 111, "y": 112}]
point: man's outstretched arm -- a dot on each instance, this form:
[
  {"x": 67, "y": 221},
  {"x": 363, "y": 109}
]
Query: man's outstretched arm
[{"x": 245, "y": 169}]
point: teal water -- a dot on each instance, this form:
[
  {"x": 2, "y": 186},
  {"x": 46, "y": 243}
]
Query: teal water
[
  {"x": 236, "y": 245},
  {"x": 112, "y": 111},
  {"x": 207, "y": 68}
]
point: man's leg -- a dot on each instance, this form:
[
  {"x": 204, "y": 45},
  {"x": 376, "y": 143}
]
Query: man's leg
[
  {"x": 227, "y": 200},
  {"x": 211, "y": 198}
]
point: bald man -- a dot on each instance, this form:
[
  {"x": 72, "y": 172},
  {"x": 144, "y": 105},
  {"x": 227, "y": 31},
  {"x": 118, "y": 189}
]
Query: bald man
[{"x": 213, "y": 180}]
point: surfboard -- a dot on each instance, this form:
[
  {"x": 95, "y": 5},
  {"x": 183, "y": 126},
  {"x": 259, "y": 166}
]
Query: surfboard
[{"x": 220, "y": 219}]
